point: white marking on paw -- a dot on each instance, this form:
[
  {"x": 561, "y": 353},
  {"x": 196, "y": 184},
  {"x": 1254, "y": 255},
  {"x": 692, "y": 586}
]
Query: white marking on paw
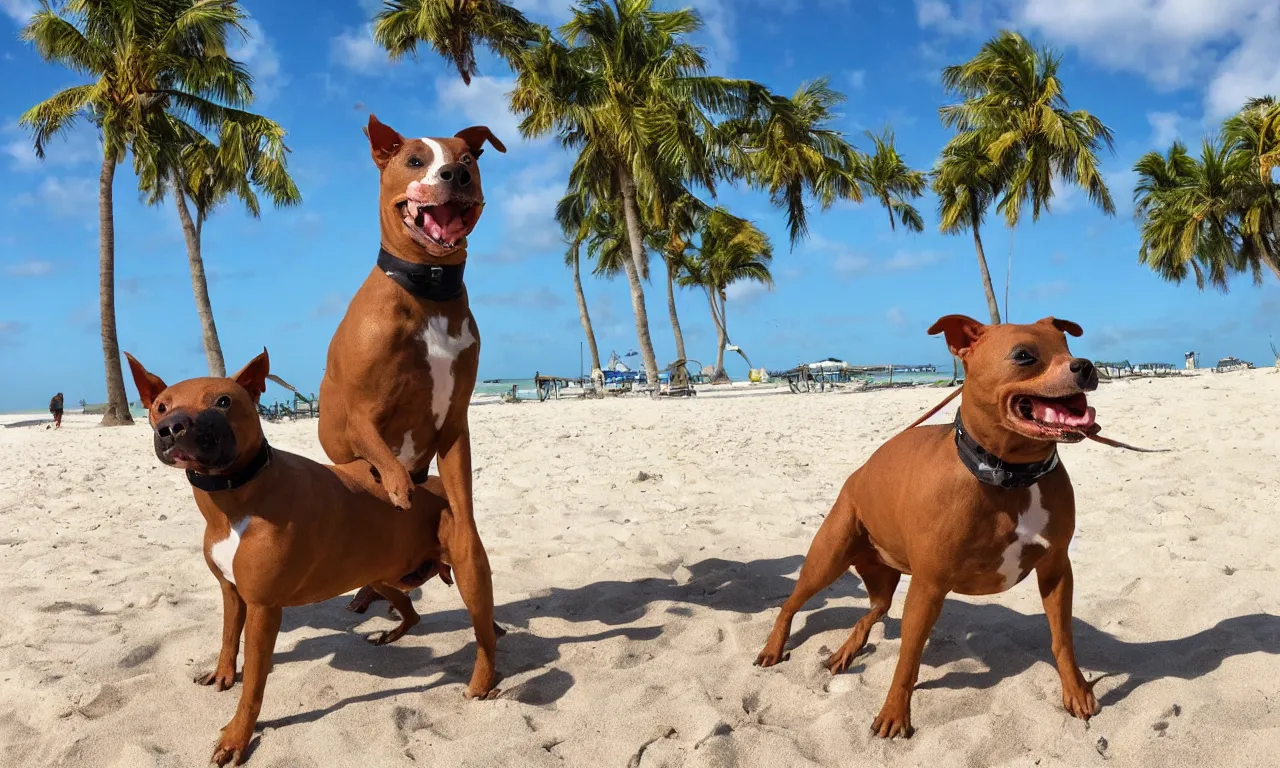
[
  {"x": 442, "y": 352},
  {"x": 439, "y": 158},
  {"x": 1029, "y": 532},
  {"x": 224, "y": 552}
]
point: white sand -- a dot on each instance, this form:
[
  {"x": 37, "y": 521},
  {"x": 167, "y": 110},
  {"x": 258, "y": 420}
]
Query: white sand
[{"x": 637, "y": 608}]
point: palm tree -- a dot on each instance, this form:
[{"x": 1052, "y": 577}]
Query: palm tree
[
  {"x": 206, "y": 174},
  {"x": 453, "y": 28},
  {"x": 1013, "y": 106},
  {"x": 574, "y": 215},
  {"x": 677, "y": 218},
  {"x": 150, "y": 61},
  {"x": 1253, "y": 137},
  {"x": 730, "y": 250},
  {"x": 1195, "y": 214},
  {"x": 886, "y": 177},
  {"x": 626, "y": 93},
  {"x": 786, "y": 147},
  {"x": 966, "y": 183}
]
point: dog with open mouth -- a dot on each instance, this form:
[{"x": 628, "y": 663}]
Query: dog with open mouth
[
  {"x": 971, "y": 507},
  {"x": 402, "y": 364},
  {"x": 280, "y": 529}
]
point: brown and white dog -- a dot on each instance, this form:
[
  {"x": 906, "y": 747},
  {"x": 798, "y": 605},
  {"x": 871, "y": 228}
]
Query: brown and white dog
[
  {"x": 402, "y": 363},
  {"x": 971, "y": 507},
  {"x": 282, "y": 530}
]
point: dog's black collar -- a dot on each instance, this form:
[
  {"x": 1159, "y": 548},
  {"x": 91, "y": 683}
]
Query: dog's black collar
[
  {"x": 433, "y": 282},
  {"x": 230, "y": 482},
  {"x": 990, "y": 469}
]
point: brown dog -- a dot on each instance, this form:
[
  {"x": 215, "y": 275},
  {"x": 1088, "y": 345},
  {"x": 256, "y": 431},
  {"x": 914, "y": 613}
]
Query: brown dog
[
  {"x": 402, "y": 364},
  {"x": 282, "y": 530},
  {"x": 970, "y": 508}
]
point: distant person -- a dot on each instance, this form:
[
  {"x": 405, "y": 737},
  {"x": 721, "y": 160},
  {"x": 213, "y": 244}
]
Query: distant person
[{"x": 55, "y": 407}]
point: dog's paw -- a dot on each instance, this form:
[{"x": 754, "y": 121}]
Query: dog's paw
[
  {"x": 893, "y": 721},
  {"x": 363, "y": 599},
  {"x": 1080, "y": 701},
  {"x": 770, "y": 656},
  {"x": 220, "y": 679},
  {"x": 231, "y": 747}
]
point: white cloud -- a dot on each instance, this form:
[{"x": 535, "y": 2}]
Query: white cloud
[
  {"x": 530, "y": 218},
  {"x": 896, "y": 316},
  {"x": 73, "y": 148},
  {"x": 858, "y": 79},
  {"x": 1224, "y": 47},
  {"x": 356, "y": 49},
  {"x": 745, "y": 291},
  {"x": 1043, "y": 291},
  {"x": 259, "y": 56},
  {"x": 20, "y": 11},
  {"x": 1164, "y": 127},
  {"x": 541, "y": 298},
  {"x": 29, "y": 268},
  {"x": 484, "y": 102},
  {"x": 903, "y": 261},
  {"x": 63, "y": 196},
  {"x": 10, "y": 331},
  {"x": 963, "y": 18}
]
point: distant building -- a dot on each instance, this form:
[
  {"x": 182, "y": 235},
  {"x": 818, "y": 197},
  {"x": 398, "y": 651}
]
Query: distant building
[{"x": 1193, "y": 360}]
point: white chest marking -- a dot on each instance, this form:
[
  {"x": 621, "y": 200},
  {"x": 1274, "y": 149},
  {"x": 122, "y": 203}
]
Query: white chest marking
[
  {"x": 439, "y": 158},
  {"x": 442, "y": 352},
  {"x": 1029, "y": 532},
  {"x": 407, "y": 454},
  {"x": 224, "y": 552}
]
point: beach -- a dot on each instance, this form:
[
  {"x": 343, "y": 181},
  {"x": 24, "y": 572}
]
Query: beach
[{"x": 640, "y": 551}]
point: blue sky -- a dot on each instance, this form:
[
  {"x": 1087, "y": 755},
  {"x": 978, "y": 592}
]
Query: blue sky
[{"x": 1153, "y": 70}]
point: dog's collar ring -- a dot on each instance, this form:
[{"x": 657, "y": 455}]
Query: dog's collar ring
[
  {"x": 990, "y": 469},
  {"x": 212, "y": 483}
]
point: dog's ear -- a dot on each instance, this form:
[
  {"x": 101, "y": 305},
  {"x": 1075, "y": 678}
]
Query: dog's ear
[
  {"x": 1066, "y": 326},
  {"x": 476, "y": 136},
  {"x": 149, "y": 385},
  {"x": 961, "y": 332},
  {"x": 384, "y": 142},
  {"x": 253, "y": 377}
]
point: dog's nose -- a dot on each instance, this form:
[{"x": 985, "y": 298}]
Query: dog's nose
[
  {"x": 456, "y": 174},
  {"x": 174, "y": 427},
  {"x": 1086, "y": 374}
]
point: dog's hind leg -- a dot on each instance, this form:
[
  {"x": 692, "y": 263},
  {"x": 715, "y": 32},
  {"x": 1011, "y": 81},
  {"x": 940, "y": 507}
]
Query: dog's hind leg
[
  {"x": 403, "y": 606},
  {"x": 880, "y": 581},
  {"x": 829, "y": 556}
]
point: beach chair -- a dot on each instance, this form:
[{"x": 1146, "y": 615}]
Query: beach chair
[{"x": 680, "y": 375}]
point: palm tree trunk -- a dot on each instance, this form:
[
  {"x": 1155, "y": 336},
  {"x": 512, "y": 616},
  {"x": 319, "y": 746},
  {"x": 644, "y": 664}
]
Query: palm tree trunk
[
  {"x": 992, "y": 304},
  {"x": 642, "y": 322},
  {"x": 722, "y": 338},
  {"x": 117, "y": 411},
  {"x": 634, "y": 269},
  {"x": 582, "y": 312},
  {"x": 671, "y": 307},
  {"x": 200, "y": 287}
]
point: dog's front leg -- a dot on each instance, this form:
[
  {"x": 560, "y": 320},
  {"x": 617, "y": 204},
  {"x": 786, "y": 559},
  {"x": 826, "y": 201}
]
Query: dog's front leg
[
  {"x": 468, "y": 558},
  {"x": 261, "y": 627},
  {"x": 367, "y": 444},
  {"x": 1056, "y": 585},
  {"x": 223, "y": 676},
  {"x": 924, "y": 602}
]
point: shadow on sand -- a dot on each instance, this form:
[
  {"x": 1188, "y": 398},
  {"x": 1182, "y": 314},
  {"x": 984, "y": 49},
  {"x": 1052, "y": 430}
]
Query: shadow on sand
[{"x": 1005, "y": 641}]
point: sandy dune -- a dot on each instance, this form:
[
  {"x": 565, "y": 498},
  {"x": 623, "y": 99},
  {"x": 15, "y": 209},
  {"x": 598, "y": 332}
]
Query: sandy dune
[{"x": 637, "y": 607}]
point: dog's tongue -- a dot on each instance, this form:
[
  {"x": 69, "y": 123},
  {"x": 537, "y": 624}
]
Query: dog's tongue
[
  {"x": 1072, "y": 412},
  {"x": 448, "y": 222}
]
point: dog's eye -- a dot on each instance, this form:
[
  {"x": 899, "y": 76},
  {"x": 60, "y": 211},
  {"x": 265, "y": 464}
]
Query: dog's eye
[
  {"x": 415, "y": 162},
  {"x": 1022, "y": 357},
  {"x": 223, "y": 402},
  {"x": 160, "y": 408},
  {"x": 466, "y": 159}
]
